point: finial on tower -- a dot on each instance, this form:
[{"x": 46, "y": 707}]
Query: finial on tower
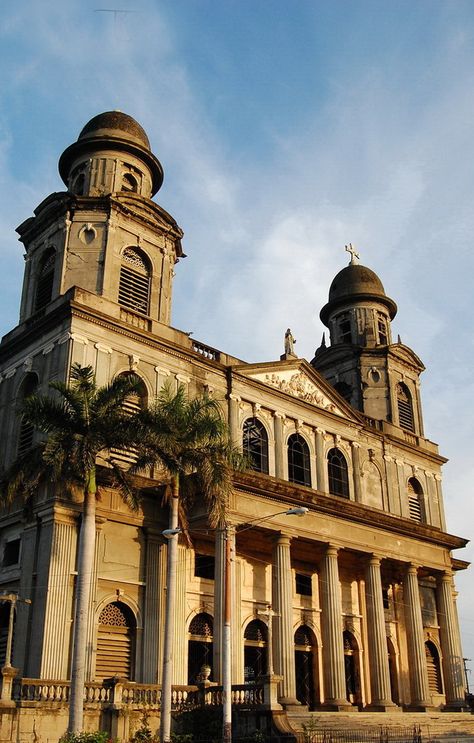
[{"x": 354, "y": 255}]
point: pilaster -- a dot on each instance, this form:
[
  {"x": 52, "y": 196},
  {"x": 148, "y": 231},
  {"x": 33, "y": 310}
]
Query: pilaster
[
  {"x": 155, "y": 576},
  {"x": 279, "y": 456}
]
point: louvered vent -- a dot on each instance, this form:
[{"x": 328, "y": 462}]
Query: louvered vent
[{"x": 134, "y": 284}]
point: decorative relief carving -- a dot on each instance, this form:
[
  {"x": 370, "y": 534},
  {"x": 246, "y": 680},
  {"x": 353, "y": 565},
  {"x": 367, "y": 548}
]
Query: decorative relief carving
[{"x": 300, "y": 386}]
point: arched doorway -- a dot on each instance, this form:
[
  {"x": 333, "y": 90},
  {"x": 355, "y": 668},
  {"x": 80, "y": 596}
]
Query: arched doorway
[
  {"x": 116, "y": 642},
  {"x": 392, "y": 669},
  {"x": 200, "y": 646},
  {"x": 255, "y": 651},
  {"x": 305, "y": 655},
  {"x": 351, "y": 666}
]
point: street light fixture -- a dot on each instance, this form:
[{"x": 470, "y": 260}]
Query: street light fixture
[{"x": 226, "y": 634}]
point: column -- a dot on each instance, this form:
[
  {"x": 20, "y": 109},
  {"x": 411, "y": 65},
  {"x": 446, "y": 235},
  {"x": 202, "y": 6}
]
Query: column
[
  {"x": 420, "y": 693},
  {"x": 453, "y": 666},
  {"x": 155, "y": 577},
  {"x": 378, "y": 655},
  {"x": 279, "y": 457},
  {"x": 56, "y": 630},
  {"x": 331, "y": 625},
  {"x": 321, "y": 465},
  {"x": 284, "y": 652},
  {"x": 356, "y": 471}
]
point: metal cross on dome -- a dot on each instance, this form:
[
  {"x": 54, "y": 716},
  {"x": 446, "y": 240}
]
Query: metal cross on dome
[{"x": 354, "y": 255}]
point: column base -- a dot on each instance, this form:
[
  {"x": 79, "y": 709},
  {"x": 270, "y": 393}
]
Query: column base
[
  {"x": 290, "y": 703},
  {"x": 382, "y": 707},
  {"x": 455, "y": 707},
  {"x": 338, "y": 705},
  {"x": 421, "y": 707}
]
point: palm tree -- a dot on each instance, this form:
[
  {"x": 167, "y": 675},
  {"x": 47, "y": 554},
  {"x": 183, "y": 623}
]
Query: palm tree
[
  {"x": 190, "y": 439},
  {"x": 82, "y": 421}
]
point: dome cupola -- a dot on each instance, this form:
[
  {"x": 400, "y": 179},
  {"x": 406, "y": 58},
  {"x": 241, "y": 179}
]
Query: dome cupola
[{"x": 112, "y": 154}]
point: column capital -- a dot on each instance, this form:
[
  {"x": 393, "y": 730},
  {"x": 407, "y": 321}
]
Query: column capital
[
  {"x": 374, "y": 559},
  {"x": 320, "y": 431},
  {"x": 276, "y": 414},
  {"x": 281, "y": 538},
  {"x": 355, "y": 445},
  {"x": 412, "y": 568},
  {"x": 332, "y": 550}
]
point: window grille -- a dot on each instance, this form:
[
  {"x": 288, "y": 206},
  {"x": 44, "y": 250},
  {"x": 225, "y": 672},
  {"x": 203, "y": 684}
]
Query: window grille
[
  {"x": 337, "y": 473},
  {"x": 405, "y": 408},
  {"x": 299, "y": 468},
  {"x": 345, "y": 331},
  {"x": 433, "y": 667},
  {"x": 415, "y": 500},
  {"x": 134, "y": 282},
  {"x": 26, "y": 430},
  {"x": 201, "y": 625},
  {"x": 115, "y": 642},
  {"x": 256, "y": 631},
  {"x": 255, "y": 445}
]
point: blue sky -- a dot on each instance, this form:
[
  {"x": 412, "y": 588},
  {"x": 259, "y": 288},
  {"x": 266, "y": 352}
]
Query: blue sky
[{"x": 286, "y": 129}]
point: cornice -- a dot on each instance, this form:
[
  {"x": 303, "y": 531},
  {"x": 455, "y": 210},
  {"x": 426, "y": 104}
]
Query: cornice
[{"x": 266, "y": 486}]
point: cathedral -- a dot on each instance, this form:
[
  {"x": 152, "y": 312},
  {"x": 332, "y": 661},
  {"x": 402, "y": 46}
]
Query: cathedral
[{"x": 349, "y": 609}]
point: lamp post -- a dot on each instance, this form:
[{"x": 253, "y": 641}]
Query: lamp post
[
  {"x": 226, "y": 635},
  {"x": 172, "y": 557}
]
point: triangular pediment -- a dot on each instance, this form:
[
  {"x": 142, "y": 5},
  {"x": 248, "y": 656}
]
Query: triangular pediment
[
  {"x": 298, "y": 379},
  {"x": 407, "y": 356}
]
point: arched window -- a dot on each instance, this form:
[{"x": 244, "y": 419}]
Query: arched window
[
  {"x": 79, "y": 185},
  {"x": 299, "y": 468},
  {"x": 337, "y": 473},
  {"x": 405, "y": 407},
  {"x": 26, "y": 429},
  {"x": 45, "y": 279},
  {"x": 435, "y": 682},
  {"x": 415, "y": 500},
  {"x": 255, "y": 445},
  {"x": 129, "y": 183},
  {"x": 305, "y": 652},
  {"x": 115, "y": 642},
  {"x": 199, "y": 646},
  {"x": 351, "y": 665},
  {"x": 255, "y": 651},
  {"x": 134, "y": 282}
]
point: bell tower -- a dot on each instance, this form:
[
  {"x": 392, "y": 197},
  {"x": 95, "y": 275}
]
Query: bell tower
[
  {"x": 105, "y": 234},
  {"x": 378, "y": 377}
]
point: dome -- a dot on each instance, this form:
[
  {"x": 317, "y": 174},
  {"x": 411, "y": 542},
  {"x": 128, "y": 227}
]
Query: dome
[
  {"x": 353, "y": 284},
  {"x": 112, "y": 131},
  {"x": 115, "y": 124}
]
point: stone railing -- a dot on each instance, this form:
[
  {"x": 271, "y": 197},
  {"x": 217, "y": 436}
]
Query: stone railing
[
  {"x": 121, "y": 693},
  {"x": 207, "y": 351}
]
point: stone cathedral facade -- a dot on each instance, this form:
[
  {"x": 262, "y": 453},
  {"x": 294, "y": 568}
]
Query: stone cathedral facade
[{"x": 360, "y": 588}]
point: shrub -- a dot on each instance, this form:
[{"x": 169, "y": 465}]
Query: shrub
[{"x": 99, "y": 736}]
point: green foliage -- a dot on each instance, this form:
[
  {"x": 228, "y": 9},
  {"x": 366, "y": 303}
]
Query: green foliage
[
  {"x": 81, "y": 421},
  {"x": 309, "y": 730},
  {"x": 190, "y": 439},
  {"x": 144, "y": 733},
  {"x": 190, "y": 725},
  {"x": 98, "y": 736}
]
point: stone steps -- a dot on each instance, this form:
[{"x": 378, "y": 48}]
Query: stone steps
[{"x": 434, "y": 725}]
